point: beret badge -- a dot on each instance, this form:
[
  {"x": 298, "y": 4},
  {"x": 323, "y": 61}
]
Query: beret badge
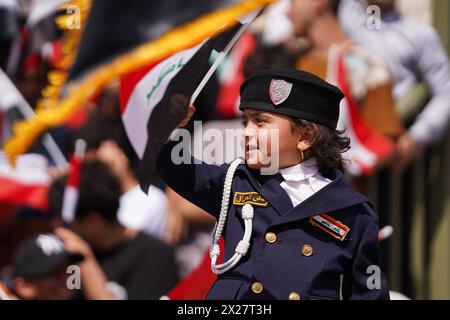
[{"x": 279, "y": 91}]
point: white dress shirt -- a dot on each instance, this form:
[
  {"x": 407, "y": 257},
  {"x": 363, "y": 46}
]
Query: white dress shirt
[{"x": 302, "y": 181}]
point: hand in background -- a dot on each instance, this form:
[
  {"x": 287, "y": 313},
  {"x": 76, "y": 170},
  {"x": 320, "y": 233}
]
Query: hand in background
[
  {"x": 93, "y": 279},
  {"x": 111, "y": 154},
  {"x": 406, "y": 150},
  {"x": 176, "y": 228},
  {"x": 73, "y": 243}
]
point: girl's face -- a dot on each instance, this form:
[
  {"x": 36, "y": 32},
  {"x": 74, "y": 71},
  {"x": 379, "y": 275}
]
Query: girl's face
[{"x": 271, "y": 139}]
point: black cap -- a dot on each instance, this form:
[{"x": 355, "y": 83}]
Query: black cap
[
  {"x": 41, "y": 255},
  {"x": 293, "y": 93}
]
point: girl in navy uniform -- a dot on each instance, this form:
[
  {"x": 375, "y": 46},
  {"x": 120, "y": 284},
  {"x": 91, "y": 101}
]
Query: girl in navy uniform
[{"x": 301, "y": 232}]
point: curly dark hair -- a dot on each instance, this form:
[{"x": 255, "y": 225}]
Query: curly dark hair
[{"x": 327, "y": 145}]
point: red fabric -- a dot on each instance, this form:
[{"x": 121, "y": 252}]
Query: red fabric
[
  {"x": 128, "y": 82},
  {"x": 370, "y": 138},
  {"x": 32, "y": 61},
  {"x": 14, "y": 192},
  {"x": 74, "y": 174},
  {"x": 229, "y": 90},
  {"x": 77, "y": 120},
  {"x": 57, "y": 53},
  {"x": 195, "y": 285}
]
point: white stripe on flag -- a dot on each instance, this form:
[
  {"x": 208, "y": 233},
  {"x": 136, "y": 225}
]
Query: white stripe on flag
[
  {"x": 9, "y": 96},
  {"x": 329, "y": 225},
  {"x": 9, "y": 4},
  {"x": 70, "y": 200},
  {"x": 42, "y": 9},
  {"x": 30, "y": 169},
  {"x": 148, "y": 93}
]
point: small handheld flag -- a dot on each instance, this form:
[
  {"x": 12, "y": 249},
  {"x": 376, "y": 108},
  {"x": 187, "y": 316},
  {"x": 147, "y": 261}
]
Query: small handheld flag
[{"x": 71, "y": 193}]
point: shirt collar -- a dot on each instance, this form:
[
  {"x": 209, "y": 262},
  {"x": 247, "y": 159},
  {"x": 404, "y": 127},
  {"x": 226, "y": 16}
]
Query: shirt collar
[{"x": 301, "y": 171}]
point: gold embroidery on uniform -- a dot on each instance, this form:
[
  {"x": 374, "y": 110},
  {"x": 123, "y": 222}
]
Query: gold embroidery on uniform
[{"x": 254, "y": 198}]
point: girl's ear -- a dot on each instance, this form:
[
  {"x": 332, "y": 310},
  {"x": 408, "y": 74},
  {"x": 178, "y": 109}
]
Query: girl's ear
[
  {"x": 305, "y": 138},
  {"x": 303, "y": 145}
]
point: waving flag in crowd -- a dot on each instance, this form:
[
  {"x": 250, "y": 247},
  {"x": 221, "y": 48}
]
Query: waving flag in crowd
[
  {"x": 13, "y": 106},
  {"x": 26, "y": 184},
  {"x": 163, "y": 91},
  {"x": 368, "y": 147},
  {"x": 123, "y": 37},
  {"x": 71, "y": 194}
]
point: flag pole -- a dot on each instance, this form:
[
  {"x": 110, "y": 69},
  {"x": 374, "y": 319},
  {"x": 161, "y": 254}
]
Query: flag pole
[
  {"x": 28, "y": 112},
  {"x": 246, "y": 22}
]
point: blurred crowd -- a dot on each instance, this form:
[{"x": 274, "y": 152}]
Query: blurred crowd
[{"x": 129, "y": 245}]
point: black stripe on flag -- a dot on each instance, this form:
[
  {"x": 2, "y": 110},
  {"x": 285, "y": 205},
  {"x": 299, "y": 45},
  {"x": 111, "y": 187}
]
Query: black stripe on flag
[{"x": 172, "y": 108}]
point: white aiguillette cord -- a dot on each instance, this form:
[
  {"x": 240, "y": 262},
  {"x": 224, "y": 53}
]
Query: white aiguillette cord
[{"x": 247, "y": 215}]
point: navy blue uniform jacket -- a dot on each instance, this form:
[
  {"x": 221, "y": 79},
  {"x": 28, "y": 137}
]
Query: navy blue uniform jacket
[{"x": 330, "y": 269}]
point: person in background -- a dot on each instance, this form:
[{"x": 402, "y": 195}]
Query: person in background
[
  {"x": 138, "y": 211},
  {"x": 369, "y": 80},
  {"x": 414, "y": 53},
  {"x": 136, "y": 265},
  {"x": 39, "y": 271},
  {"x": 106, "y": 140}
]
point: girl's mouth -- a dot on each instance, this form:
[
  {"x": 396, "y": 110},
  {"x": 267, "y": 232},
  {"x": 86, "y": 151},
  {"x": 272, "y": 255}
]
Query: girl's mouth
[{"x": 251, "y": 147}]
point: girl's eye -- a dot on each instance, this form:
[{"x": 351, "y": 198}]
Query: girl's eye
[
  {"x": 260, "y": 122},
  {"x": 244, "y": 123}
]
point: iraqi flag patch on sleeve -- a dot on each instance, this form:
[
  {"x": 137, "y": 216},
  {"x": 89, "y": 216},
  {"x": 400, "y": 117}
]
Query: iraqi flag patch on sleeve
[{"x": 333, "y": 227}]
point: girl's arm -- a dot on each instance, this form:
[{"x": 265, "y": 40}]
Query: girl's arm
[{"x": 198, "y": 182}]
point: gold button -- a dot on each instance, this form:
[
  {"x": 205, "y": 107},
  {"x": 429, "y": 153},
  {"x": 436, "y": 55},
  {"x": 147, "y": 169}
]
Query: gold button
[
  {"x": 294, "y": 296},
  {"x": 271, "y": 237},
  {"x": 307, "y": 250},
  {"x": 257, "y": 287}
]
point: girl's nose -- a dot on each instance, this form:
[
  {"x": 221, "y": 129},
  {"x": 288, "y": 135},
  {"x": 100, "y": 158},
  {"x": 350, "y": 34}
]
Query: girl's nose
[{"x": 249, "y": 131}]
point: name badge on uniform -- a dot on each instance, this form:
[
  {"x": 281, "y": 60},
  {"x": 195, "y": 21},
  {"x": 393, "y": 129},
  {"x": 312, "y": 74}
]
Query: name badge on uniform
[
  {"x": 330, "y": 226},
  {"x": 254, "y": 198}
]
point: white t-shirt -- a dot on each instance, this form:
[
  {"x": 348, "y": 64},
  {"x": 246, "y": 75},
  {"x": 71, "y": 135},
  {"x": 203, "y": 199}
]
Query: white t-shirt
[{"x": 144, "y": 213}]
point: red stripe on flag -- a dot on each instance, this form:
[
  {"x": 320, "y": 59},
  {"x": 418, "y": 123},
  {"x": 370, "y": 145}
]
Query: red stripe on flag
[
  {"x": 229, "y": 90},
  {"x": 129, "y": 81},
  {"x": 371, "y": 139},
  {"x": 30, "y": 195},
  {"x": 73, "y": 178}
]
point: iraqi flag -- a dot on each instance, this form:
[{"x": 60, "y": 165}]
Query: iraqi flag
[
  {"x": 123, "y": 36},
  {"x": 115, "y": 28},
  {"x": 71, "y": 193},
  {"x": 155, "y": 98},
  {"x": 369, "y": 148},
  {"x": 14, "y": 107},
  {"x": 25, "y": 184}
]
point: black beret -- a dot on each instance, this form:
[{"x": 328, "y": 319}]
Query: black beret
[{"x": 293, "y": 93}]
